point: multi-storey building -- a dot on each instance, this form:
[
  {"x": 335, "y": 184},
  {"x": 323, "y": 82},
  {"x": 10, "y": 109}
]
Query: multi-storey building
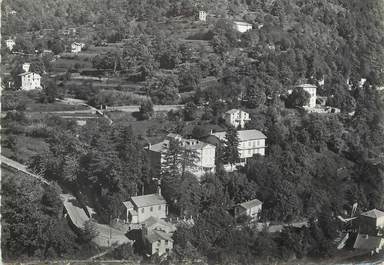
[
  {"x": 250, "y": 208},
  {"x": 202, "y": 15},
  {"x": 10, "y": 43},
  {"x": 251, "y": 142},
  {"x": 157, "y": 236},
  {"x": 236, "y": 118},
  {"x": 205, "y": 153},
  {"x": 30, "y": 81},
  {"x": 140, "y": 208}
]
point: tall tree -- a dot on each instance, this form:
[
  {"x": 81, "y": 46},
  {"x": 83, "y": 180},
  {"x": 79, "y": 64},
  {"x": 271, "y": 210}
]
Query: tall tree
[{"x": 231, "y": 144}]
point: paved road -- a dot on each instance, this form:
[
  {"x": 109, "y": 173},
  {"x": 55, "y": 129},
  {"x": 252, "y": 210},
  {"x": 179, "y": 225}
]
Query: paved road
[
  {"x": 20, "y": 167},
  {"x": 136, "y": 108}
]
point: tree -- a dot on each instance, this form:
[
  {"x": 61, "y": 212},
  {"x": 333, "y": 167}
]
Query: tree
[
  {"x": 49, "y": 93},
  {"x": 231, "y": 144},
  {"x": 255, "y": 96},
  {"x": 163, "y": 90},
  {"x": 190, "y": 111},
  {"x": 298, "y": 98},
  {"x": 89, "y": 232},
  {"x": 146, "y": 110},
  {"x": 200, "y": 131}
]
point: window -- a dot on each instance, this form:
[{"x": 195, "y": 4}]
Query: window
[
  {"x": 158, "y": 243},
  {"x": 157, "y": 250},
  {"x": 159, "y": 207},
  {"x": 249, "y": 143},
  {"x": 142, "y": 210},
  {"x": 167, "y": 250},
  {"x": 151, "y": 209},
  {"x": 166, "y": 242}
]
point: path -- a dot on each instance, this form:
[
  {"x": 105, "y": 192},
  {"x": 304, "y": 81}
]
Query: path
[
  {"x": 20, "y": 167},
  {"x": 136, "y": 108},
  {"x": 74, "y": 101}
]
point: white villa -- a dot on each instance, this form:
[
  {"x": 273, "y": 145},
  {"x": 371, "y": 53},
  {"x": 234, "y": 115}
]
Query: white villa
[
  {"x": 249, "y": 208},
  {"x": 236, "y": 118},
  {"x": 202, "y": 15},
  {"x": 205, "y": 153},
  {"x": 76, "y": 47},
  {"x": 30, "y": 81},
  {"x": 251, "y": 142},
  {"x": 10, "y": 43},
  {"x": 241, "y": 26},
  {"x": 140, "y": 208}
]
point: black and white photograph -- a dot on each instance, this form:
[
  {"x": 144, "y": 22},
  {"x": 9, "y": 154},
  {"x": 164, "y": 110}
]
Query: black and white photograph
[{"x": 192, "y": 132}]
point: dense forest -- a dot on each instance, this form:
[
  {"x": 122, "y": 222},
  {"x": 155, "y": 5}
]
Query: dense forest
[{"x": 316, "y": 166}]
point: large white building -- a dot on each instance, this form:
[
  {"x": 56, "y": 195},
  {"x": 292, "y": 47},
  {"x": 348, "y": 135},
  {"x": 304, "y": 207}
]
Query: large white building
[
  {"x": 251, "y": 142},
  {"x": 236, "y": 118},
  {"x": 205, "y": 154},
  {"x": 241, "y": 26},
  {"x": 10, "y": 43},
  {"x": 30, "y": 81}
]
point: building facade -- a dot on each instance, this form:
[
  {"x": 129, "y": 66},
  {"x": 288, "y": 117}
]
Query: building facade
[
  {"x": 30, "y": 81},
  {"x": 250, "y": 208},
  {"x": 371, "y": 234},
  {"x": 26, "y": 67},
  {"x": 241, "y": 26},
  {"x": 205, "y": 153},
  {"x": 202, "y": 15},
  {"x": 371, "y": 222},
  {"x": 236, "y": 118},
  {"x": 157, "y": 236},
  {"x": 311, "y": 89},
  {"x": 251, "y": 142},
  {"x": 10, "y": 44},
  {"x": 76, "y": 47},
  {"x": 140, "y": 208}
]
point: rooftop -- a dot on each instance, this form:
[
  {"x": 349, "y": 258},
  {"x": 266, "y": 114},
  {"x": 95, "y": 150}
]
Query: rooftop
[
  {"x": 242, "y": 23},
  {"x": 250, "y": 204},
  {"x": 156, "y": 235},
  {"x": 187, "y": 143},
  {"x": 306, "y": 86},
  {"x": 27, "y": 73},
  {"x": 233, "y": 111},
  {"x": 364, "y": 241},
  {"x": 373, "y": 213},
  {"x": 244, "y": 135},
  {"x": 148, "y": 200}
]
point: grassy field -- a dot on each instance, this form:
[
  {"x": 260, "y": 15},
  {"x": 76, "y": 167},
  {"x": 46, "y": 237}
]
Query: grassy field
[
  {"x": 25, "y": 148},
  {"x": 57, "y": 106}
]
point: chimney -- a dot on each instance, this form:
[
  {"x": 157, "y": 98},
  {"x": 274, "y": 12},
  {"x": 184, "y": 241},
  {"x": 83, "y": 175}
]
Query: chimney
[{"x": 211, "y": 132}]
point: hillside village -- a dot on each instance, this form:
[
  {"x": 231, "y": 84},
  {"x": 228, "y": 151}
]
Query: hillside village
[{"x": 217, "y": 132}]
